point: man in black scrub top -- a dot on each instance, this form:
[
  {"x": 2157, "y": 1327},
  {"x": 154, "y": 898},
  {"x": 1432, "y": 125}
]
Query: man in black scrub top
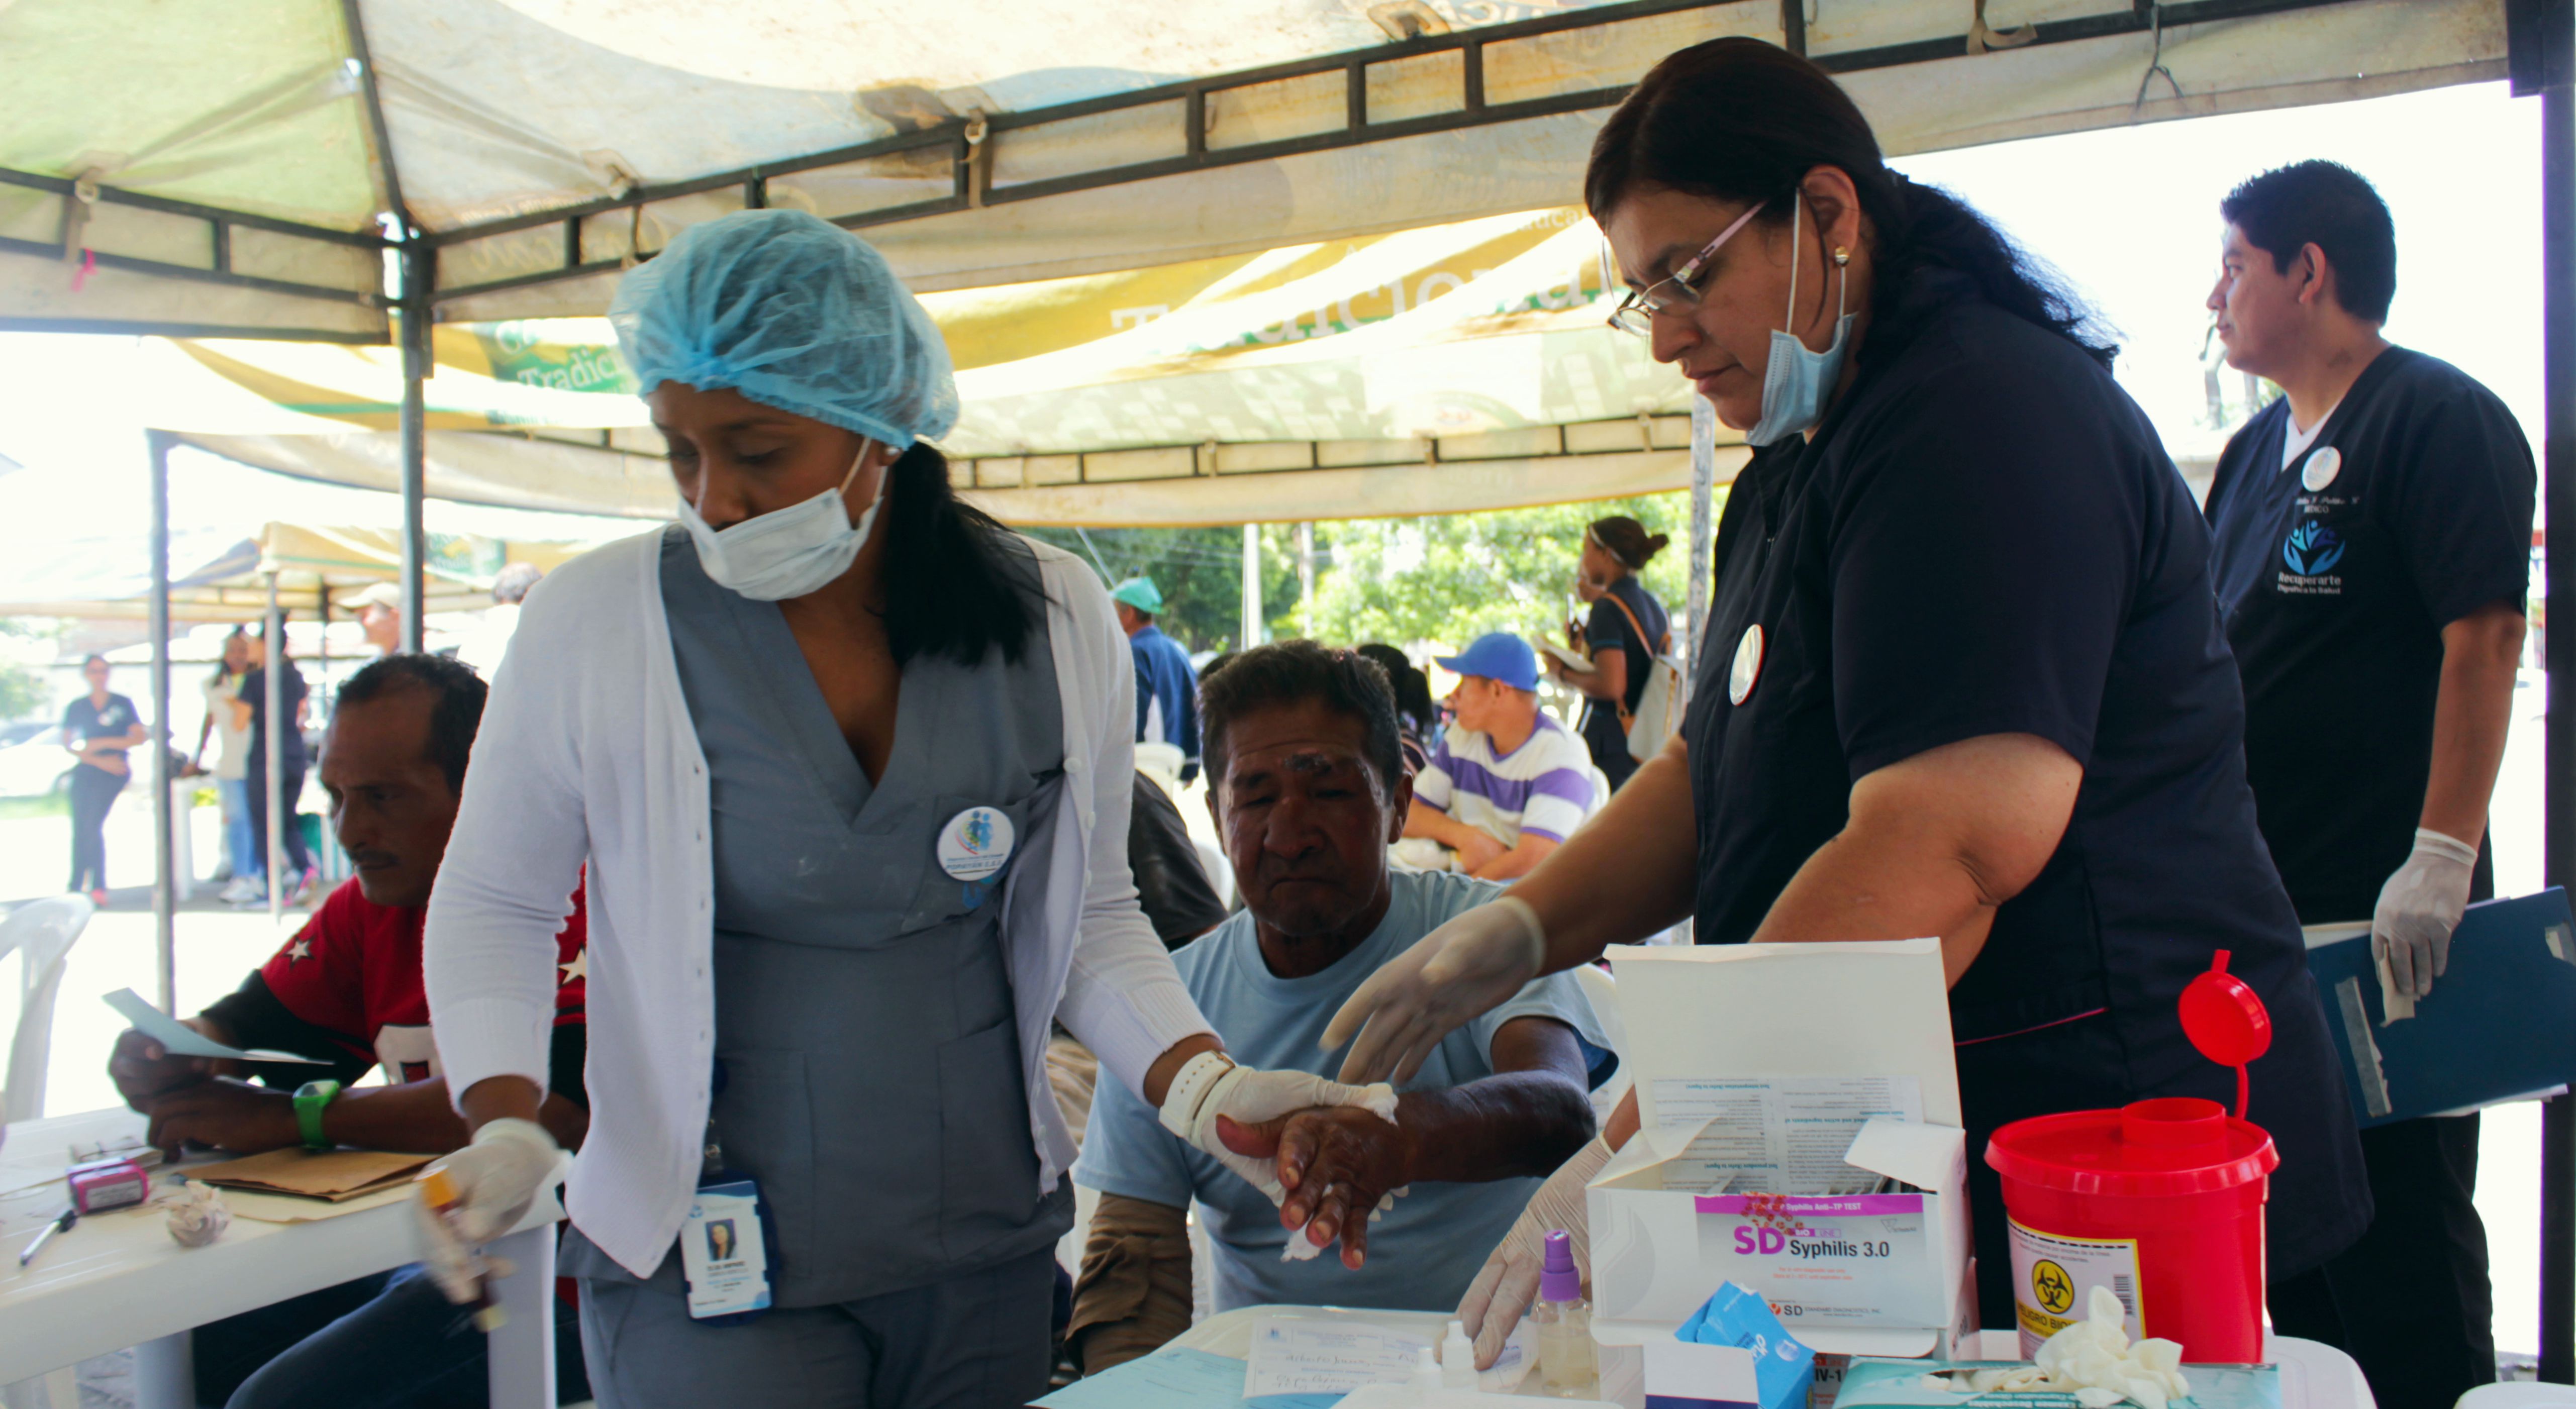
[{"x": 2374, "y": 531}]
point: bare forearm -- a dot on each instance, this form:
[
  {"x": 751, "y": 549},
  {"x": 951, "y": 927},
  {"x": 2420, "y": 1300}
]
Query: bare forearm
[
  {"x": 1424, "y": 820},
  {"x": 2471, "y": 714},
  {"x": 1627, "y": 874},
  {"x": 416, "y": 1118},
  {"x": 1506, "y": 1126},
  {"x": 1523, "y": 858},
  {"x": 1882, "y": 883},
  {"x": 500, "y": 1098}
]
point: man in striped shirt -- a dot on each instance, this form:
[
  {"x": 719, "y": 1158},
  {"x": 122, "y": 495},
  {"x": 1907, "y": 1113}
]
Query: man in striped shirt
[{"x": 1508, "y": 784}]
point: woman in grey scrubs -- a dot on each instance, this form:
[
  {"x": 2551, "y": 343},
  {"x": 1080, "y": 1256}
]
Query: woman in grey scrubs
[{"x": 848, "y": 765}]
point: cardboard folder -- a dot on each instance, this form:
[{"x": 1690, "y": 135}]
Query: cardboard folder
[
  {"x": 333, "y": 1175},
  {"x": 2500, "y": 1023}
]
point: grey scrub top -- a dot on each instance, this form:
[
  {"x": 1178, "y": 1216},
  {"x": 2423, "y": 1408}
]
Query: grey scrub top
[{"x": 864, "y": 1019}]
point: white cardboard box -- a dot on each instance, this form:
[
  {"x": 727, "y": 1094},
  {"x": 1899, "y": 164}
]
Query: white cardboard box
[{"x": 1875, "y": 1274}]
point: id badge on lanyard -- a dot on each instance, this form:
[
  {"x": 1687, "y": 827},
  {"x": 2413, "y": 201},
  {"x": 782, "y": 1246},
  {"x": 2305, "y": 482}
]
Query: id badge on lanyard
[{"x": 724, "y": 1239}]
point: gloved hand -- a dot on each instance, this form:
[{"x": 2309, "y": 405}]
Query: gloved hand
[
  {"x": 496, "y": 1180},
  {"x": 2419, "y": 907},
  {"x": 1448, "y": 977},
  {"x": 1212, "y": 1085},
  {"x": 1503, "y": 1291}
]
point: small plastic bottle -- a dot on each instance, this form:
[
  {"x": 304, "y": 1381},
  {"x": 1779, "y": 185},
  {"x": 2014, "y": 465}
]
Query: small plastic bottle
[
  {"x": 1426, "y": 1374},
  {"x": 1569, "y": 1366},
  {"x": 1457, "y": 1358}
]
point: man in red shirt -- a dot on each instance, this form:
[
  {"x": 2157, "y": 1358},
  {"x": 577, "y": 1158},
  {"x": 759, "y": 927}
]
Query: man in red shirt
[{"x": 347, "y": 990}]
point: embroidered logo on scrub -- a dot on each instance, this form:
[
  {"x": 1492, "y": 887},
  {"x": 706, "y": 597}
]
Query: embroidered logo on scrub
[{"x": 2311, "y": 549}]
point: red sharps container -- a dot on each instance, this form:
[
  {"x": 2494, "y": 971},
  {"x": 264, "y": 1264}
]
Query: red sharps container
[{"x": 2161, "y": 1201}]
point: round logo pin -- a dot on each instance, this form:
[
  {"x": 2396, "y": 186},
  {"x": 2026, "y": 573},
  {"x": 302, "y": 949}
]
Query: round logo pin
[
  {"x": 1747, "y": 667},
  {"x": 975, "y": 844},
  {"x": 2321, "y": 469}
]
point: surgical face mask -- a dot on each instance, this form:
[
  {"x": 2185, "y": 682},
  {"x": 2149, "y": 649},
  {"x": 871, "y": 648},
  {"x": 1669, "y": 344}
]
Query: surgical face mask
[
  {"x": 786, "y": 552},
  {"x": 1798, "y": 382}
]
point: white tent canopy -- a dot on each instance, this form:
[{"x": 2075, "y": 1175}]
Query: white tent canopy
[{"x": 239, "y": 166}]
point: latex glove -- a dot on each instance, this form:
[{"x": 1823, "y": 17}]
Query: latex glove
[
  {"x": 1211, "y": 1084},
  {"x": 1450, "y": 976},
  {"x": 1503, "y": 1291},
  {"x": 497, "y": 1179},
  {"x": 2410, "y": 931}
]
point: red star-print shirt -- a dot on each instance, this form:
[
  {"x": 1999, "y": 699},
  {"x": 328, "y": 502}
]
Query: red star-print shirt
[{"x": 353, "y": 972}]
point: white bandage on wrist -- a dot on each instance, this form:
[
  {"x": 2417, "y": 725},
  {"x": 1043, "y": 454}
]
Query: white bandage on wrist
[{"x": 1190, "y": 1088}]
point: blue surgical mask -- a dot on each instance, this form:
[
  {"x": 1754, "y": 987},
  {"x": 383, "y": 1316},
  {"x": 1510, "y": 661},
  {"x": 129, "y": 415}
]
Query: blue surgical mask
[
  {"x": 1798, "y": 382},
  {"x": 786, "y": 552}
]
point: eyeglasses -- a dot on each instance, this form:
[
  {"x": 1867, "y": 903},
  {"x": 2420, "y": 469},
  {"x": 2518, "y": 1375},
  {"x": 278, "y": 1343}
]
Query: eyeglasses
[{"x": 1676, "y": 292}]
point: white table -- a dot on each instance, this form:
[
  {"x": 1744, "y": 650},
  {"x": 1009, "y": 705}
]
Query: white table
[
  {"x": 2313, "y": 1376},
  {"x": 117, "y": 1279}
]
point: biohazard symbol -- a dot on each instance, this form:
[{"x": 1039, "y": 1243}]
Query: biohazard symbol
[{"x": 2055, "y": 1290}]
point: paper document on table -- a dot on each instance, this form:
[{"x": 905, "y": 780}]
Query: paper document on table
[
  {"x": 1172, "y": 1378},
  {"x": 180, "y": 1040},
  {"x": 1292, "y": 1356},
  {"x": 1778, "y": 1135}
]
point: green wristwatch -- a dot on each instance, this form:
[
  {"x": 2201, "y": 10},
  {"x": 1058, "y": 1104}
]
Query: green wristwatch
[{"x": 310, "y": 1098}]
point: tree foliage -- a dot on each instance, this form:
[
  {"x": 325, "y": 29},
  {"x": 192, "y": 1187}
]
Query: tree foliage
[
  {"x": 1439, "y": 581},
  {"x": 23, "y": 690},
  {"x": 1445, "y": 581}
]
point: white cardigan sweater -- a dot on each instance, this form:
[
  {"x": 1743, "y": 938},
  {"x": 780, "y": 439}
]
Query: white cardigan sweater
[{"x": 587, "y": 755}]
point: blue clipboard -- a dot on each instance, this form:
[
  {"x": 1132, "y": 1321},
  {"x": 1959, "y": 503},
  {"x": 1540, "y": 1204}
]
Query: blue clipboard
[{"x": 2499, "y": 1024}]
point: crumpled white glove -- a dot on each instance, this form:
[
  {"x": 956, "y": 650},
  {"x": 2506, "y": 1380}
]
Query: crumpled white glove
[
  {"x": 1503, "y": 1291},
  {"x": 1449, "y": 977},
  {"x": 2410, "y": 931},
  {"x": 496, "y": 1179},
  {"x": 1211, "y": 1084}
]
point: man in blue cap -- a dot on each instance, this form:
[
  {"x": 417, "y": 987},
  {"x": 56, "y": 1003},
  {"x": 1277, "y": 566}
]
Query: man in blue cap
[
  {"x": 1508, "y": 784},
  {"x": 1167, "y": 689}
]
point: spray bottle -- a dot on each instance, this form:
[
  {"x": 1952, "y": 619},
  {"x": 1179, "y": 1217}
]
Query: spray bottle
[{"x": 1569, "y": 1366}]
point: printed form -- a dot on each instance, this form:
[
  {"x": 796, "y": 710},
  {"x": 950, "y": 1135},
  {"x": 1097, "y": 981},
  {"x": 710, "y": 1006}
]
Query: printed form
[{"x": 1778, "y": 1135}]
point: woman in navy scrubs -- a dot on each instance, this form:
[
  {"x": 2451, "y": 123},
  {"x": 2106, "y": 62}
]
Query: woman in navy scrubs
[{"x": 1964, "y": 676}]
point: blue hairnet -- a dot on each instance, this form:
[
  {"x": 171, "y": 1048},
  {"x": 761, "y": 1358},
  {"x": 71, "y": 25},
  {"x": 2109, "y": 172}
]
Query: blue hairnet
[{"x": 796, "y": 313}]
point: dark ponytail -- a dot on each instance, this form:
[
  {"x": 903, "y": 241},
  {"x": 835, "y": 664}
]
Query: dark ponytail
[
  {"x": 953, "y": 586},
  {"x": 1741, "y": 120}
]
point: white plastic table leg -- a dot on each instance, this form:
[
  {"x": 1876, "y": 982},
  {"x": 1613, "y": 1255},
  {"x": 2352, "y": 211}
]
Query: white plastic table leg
[
  {"x": 165, "y": 1374},
  {"x": 522, "y": 1352}
]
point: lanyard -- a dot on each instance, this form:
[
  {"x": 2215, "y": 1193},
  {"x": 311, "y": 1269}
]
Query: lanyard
[{"x": 711, "y": 1159}]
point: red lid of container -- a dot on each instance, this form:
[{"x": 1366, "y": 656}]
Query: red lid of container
[
  {"x": 2178, "y": 1145},
  {"x": 2175, "y": 1145}
]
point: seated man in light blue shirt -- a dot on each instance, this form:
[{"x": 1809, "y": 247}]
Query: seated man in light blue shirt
[{"x": 1308, "y": 790}]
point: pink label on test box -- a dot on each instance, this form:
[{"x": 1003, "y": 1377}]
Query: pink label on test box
[{"x": 1807, "y": 1206}]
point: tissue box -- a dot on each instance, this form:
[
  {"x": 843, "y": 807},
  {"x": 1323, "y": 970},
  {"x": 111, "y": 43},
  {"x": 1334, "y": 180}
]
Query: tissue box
[{"x": 1645, "y": 1368}]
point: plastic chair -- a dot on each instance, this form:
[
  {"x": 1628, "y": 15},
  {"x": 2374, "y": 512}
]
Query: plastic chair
[{"x": 42, "y": 932}]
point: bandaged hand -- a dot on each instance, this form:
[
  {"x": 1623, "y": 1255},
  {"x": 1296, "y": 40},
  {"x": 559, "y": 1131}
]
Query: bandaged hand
[
  {"x": 2421, "y": 905},
  {"x": 1342, "y": 1167},
  {"x": 1211, "y": 1084},
  {"x": 1451, "y": 975},
  {"x": 1503, "y": 1291},
  {"x": 496, "y": 1180}
]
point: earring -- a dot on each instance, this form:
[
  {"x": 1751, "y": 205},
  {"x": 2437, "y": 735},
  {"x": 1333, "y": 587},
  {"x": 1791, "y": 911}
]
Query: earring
[{"x": 1842, "y": 255}]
